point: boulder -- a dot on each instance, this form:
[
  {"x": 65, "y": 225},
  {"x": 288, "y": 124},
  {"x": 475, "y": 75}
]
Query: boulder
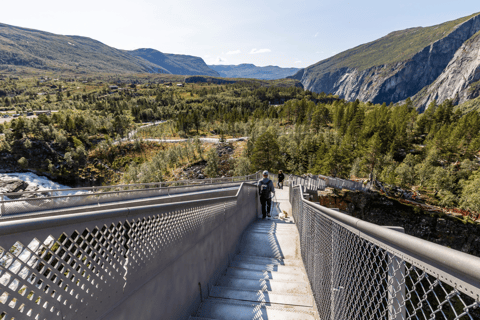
[{"x": 8, "y": 184}]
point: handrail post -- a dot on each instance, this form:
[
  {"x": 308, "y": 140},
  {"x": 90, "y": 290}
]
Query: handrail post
[
  {"x": 396, "y": 284},
  {"x": 2, "y": 208}
]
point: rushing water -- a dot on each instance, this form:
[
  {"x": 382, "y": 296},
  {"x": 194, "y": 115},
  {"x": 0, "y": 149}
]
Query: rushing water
[{"x": 42, "y": 182}]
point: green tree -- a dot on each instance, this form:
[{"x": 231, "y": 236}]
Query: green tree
[
  {"x": 406, "y": 170},
  {"x": 27, "y": 144},
  {"x": 242, "y": 166},
  {"x": 211, "y": 170},
  {"x": 470, "y": 198},
  {"x": 372, "y": 154},
  {"x": 266, "y": 153},
  {"x": 23, "y": 162}
]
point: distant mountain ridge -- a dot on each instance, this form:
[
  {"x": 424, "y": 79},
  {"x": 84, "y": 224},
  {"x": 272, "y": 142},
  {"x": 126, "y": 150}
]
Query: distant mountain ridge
[
  {"x": 47, "y": 51},
  {"x": 416, "y": 62},
  {"x": 22, "y": 47},
  {"x": 246, "y": 70},
  {"x": 40, "y": 50},
  {"x": 175, "y": 63}
]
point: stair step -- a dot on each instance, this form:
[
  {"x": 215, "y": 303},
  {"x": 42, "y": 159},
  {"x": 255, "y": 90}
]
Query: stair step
[
  {"x": 261, "y": 296},
  {"x": 263, "y": 285},
  {"x": 267, "y": 231},
  {"x": 228, "y": 310},
  {"x": 276, "y": 221},
  {"x": 282, "y": 246},
  {"x": 275, "y": 230},
  {"x": 266, "y": 267},
  {"x": 267, "y": 275},
  {"x": 264, "y": 260}
]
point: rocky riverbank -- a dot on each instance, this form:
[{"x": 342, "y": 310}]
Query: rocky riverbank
[{"x": 26, "y": 181}]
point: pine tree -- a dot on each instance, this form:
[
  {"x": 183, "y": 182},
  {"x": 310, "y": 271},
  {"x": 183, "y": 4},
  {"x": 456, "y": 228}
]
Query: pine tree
[
  {"x": 266, "y": 153},
  {"x": 211, "y": 170}
]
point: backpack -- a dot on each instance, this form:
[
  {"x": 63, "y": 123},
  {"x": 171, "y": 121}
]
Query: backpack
[{"x": 264, "y": 192}]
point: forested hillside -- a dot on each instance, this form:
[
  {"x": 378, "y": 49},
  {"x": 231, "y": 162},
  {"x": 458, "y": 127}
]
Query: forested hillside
[{"x": 434, "y": 153}]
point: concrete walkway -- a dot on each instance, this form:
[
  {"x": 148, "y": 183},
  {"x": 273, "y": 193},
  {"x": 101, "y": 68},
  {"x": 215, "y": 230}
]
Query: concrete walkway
[{"x": 266, "y": 280}]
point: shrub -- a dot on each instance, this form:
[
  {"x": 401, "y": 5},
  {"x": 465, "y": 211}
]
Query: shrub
[
  {"x": 23, "y": 162},
  {"x": 27, "y": 144}
]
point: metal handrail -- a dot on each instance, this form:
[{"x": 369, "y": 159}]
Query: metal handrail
[
  {"x": 106, "y": 193},
  {"x": 444, "y": 265},
  {"x": 33, "y": 204},
  {"x": 92, "y": 264},
  {"x": 204, "y": 181}
]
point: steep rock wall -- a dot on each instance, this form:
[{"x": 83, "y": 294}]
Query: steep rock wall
[
  {"x": 454, "y": 82},
  {"x": 398, "y": 81}
]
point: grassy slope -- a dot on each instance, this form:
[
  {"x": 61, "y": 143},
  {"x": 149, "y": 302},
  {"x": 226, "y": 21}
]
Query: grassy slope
[
  {"x": 47, "y": 51},
  {"x": 469, "y": 106},
  {"x": 394, "y": 47}
]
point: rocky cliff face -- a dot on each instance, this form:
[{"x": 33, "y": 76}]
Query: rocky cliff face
[
  {"x": 450, "y": 55},
  {"x": 455, "y": 82}
]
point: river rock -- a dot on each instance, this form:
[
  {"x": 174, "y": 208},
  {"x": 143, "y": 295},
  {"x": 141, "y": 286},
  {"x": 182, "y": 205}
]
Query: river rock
[{"x": 9, "y": 184}]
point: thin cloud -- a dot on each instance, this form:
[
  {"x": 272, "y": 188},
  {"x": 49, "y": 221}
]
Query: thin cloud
[
  {"x": 298, "y": 61},
  {"x": 316, "y": 34},
  {"x": 234, "y": 52},
  {"x": 255, "y": 51}
]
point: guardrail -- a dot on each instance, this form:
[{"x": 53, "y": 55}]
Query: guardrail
[
  {"x": 314, "y": 182},
  {"x": 44, "y": 200},
  {"x": 359, "y": 270},
  {"x": 147, "y": 262}
]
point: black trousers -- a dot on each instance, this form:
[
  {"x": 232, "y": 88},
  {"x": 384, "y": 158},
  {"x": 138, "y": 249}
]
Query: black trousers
[{"x": 266, "y": 206}]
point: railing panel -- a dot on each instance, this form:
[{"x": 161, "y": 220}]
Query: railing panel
[
  {"x": 45, "y": 200},
  {"x": 142, "y": 262},
  {"x": 359, "y": 270}
]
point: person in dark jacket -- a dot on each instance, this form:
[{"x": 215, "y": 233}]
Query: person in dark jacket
[
  {"x": 281, "y": 177},
  {"x": 266, "y": 189}
]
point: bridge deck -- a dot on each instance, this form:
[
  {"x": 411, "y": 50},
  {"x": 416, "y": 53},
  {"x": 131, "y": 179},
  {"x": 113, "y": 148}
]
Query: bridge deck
[{"x": 266, "y": 280}]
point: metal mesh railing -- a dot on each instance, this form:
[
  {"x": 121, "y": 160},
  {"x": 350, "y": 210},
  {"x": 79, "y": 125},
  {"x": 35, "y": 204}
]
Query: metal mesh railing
[
  {"x": 87, "y": 266},
  {"x": 45, "y": 200},
  {"x": 359, "y": 270}
]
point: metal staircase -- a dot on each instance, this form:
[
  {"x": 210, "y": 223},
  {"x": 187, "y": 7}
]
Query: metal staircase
[{"x": 266, "y": 279}]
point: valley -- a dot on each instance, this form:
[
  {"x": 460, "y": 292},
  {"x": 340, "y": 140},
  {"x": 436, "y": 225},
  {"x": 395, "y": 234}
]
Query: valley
[{"x": 140, "y": 130}]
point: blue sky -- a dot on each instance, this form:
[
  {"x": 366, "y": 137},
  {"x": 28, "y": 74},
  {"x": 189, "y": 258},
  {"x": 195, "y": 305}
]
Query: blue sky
[{"x": 284, "y": 33}]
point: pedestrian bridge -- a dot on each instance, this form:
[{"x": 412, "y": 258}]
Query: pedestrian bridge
[{"x": 199, "y": 251}]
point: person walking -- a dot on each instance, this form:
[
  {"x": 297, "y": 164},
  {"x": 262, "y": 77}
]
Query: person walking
[
  {"x": 281, "y": 177},
  {"x": 265, "y": 189}
]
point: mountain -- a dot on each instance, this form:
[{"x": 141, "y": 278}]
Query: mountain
[
  {"x": 175, "y": 63},
  {"x": 422, "y": 63},
  {"x": 252, "y": 71},
  {"x": 47, "y": 51},
  {"x": 28, "y": 48}
]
